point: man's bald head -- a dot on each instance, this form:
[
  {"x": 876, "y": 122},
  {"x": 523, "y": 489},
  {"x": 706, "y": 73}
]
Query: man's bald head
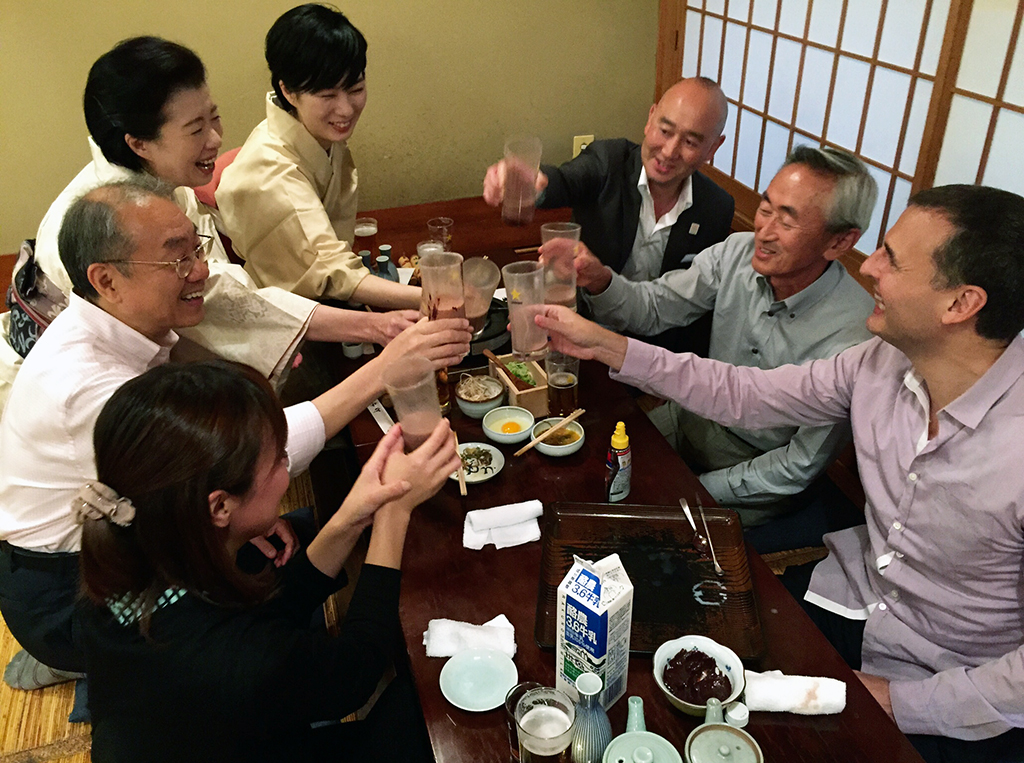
[{"x": 683, "y": 131}]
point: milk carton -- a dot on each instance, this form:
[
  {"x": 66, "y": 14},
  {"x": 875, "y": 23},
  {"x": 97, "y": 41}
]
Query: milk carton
[{"x": 595, "y": 609}]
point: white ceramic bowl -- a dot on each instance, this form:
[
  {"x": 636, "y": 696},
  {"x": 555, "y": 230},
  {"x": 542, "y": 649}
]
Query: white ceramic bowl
[
  {"x": 476, "y": 409},
  {"x": 493, "y": 421},
  {"x": 558, "y": 450},
  {"x": 727, "y": 660}
]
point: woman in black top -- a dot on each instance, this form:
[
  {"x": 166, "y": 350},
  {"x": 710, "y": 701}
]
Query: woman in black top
[{"x": 190, "y": 659}]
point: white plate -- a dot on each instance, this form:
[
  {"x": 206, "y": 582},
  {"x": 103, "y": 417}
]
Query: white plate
[
  {"x": 478, "y": 679},
  {"x": 485, "y": 473}
]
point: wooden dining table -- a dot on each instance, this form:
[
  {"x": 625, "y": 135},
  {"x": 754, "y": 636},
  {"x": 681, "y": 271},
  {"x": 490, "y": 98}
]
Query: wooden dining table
[{"x": 442, "y": 579}]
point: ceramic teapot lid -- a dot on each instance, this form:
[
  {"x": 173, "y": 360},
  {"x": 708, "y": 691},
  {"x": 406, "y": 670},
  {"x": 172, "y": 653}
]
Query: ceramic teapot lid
[
  {"x": 720, "y": 743},
  {"x": 641, "y": 747}
]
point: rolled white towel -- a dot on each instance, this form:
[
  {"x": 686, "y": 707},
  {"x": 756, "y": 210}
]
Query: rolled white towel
[
  {"x": 504, "y": 526},
  {"x": 778, "y": 693},
  {"x": 444, "y": 638}
]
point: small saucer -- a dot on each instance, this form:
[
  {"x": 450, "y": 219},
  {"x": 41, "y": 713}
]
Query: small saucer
[
  {"x": 478, "y": 679},
  {"x": 481, "y": 472}
]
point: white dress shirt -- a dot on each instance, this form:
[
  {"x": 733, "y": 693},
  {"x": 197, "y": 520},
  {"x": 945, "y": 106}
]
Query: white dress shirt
[
  {"x": 644, "y": 262},
  {"x": 47, "y": 427}
]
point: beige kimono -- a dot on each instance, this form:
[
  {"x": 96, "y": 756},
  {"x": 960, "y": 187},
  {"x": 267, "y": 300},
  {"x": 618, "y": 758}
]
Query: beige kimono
[{"x": 290, "y": 208}]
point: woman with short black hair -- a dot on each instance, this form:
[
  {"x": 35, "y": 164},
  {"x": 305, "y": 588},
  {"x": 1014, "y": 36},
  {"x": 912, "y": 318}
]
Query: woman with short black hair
[{"x": 290, "y": 197}]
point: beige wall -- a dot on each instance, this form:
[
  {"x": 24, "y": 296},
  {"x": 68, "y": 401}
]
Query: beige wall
[{"x": 447, "y": 81}]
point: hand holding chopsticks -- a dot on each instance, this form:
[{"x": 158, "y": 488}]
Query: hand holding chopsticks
[{"x": 544, "y": 435}]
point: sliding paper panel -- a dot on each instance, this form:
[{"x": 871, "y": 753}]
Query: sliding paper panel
[
  {"x": 899, "y": 32},
  {"x": 988, "y": 36},
  {"x": 1005, "y": 168},
  {"x": 784, "y": 73},
  {"x": 817, "y": 77},
  {"x": 844, "y": 120},
  {"x": 964, "y": 141},
  {"x": 885, "y": 116},
  {"x": 862, "y": 19}
]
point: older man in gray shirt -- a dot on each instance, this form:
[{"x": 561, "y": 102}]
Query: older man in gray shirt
[{"x": 778, "y": 296}]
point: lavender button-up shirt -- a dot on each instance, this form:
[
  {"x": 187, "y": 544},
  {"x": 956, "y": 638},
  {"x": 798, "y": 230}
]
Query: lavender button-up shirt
[{"x": 938, "y": 570}]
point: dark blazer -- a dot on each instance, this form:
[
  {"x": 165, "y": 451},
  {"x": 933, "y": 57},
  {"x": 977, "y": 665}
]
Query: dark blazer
[{"x": 600, "y": 186}]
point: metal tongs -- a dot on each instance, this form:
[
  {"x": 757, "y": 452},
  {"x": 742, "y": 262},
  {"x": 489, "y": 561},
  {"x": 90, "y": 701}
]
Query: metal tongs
[{"x": 701, "y": 541}]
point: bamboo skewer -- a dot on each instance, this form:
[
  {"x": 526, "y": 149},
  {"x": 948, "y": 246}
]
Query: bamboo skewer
[{"x": 543, "y": 435}]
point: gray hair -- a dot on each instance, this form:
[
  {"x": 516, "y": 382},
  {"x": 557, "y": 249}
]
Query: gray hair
[
  {"x": 91, "y": 230},
  {"x": 855, "y": 192}
]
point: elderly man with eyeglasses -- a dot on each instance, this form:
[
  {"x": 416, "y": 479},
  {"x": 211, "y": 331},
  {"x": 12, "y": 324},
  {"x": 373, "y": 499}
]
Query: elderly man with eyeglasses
[
  {"x": 777, "y": 296},
  {"x": 139, "y": 269}
]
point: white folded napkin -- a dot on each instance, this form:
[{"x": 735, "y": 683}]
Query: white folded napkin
[
  {"x": 444, "y": 638},
  {"x": 503, "y": 526},
  {"x": 775, "y": 692}
]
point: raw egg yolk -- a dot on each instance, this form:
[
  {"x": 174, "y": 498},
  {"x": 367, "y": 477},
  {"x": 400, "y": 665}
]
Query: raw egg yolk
[{"x": 510, "y": 427}]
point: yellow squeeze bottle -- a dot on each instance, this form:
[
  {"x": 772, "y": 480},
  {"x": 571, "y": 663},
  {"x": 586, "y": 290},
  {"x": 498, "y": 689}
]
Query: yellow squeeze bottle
[{"x": 620, "y": 465}]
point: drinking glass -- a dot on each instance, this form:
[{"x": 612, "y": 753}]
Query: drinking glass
[
  {"x": 522, "y": 162},
  {"x": 563, "y": 383},
  {"x": 560, "y": 243},
  {"x": 480, "y": 277},
  {"x": 410, "y": 383},
  {"x": 544, "y": 722},
  {"x": 524, "y": 283},
  {"x": 511, "y": 700},
  {"x": 442, "y": 297},
  {"x": 365, "y": 234},
  {"x": 440, "y": 229}
]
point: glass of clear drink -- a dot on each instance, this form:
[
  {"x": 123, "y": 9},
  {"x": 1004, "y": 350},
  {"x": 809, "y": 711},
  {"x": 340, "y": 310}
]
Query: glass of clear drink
[
  {"x": 560, "y": 243},
  {"x": 544, "y": 719},
  {"x": 365, "y": 234},
  {"x": 410, "y": 383},
  {"x": 524, "y": 283},
  {"x": 563, "y": 383},
  {"x": 511, "y": 701},
  {"x": 522, "y": 162},
  {"x": 440, "y": 230},
  {"x": 480, "y": 277},
  {"x": 442, "y": 296}
]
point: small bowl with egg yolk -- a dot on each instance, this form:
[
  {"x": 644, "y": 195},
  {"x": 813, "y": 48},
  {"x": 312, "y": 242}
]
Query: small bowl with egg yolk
[{"x": 508, "y": 424}]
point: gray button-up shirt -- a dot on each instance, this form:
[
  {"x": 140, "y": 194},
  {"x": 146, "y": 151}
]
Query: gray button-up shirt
[{"x": 751, "y": 328}]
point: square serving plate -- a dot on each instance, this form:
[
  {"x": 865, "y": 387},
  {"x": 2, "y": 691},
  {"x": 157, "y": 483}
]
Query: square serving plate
[{"x": 676, "y": 591}]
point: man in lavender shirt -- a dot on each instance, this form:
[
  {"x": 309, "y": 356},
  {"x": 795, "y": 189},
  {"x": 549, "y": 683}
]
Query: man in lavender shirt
[{"x": 930, "y": 591}]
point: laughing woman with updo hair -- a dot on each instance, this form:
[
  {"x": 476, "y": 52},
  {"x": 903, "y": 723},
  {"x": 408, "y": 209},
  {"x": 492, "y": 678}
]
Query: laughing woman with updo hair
[{"x": 189, "y": 658}]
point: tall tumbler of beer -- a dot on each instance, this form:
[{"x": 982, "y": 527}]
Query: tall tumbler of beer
[
  {"x": 522, "y": 162},
  {"x": 559, "y": 246},
  {"x": 410, "y": 383},
  {"x": 524, "y": 285},
  {"x": 544, "y": 718},
  {"x": 442, "y": 297}
]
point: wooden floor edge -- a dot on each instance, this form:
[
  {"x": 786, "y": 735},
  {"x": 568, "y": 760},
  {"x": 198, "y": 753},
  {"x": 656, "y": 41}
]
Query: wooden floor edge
[{"x": 62, "y": 748}]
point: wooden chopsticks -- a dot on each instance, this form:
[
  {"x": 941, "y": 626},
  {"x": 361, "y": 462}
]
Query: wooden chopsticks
[
  {"x": 543, "y": 435},
  {"x": 462, "y": 471}
]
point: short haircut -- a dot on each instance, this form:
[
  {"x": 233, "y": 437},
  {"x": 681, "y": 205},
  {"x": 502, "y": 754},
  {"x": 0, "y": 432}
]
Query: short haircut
[
  {"x": 128, "y": 88},
  {"x": 986, "y": 250},
  {"x": 165, "y": 440},
  {"x": 314, "y": 47},
  {"x": 855, "y": 191},
  {"x": 91, "y": 229}
]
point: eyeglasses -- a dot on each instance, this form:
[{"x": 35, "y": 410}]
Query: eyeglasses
[{"x": 184, "y": 265}]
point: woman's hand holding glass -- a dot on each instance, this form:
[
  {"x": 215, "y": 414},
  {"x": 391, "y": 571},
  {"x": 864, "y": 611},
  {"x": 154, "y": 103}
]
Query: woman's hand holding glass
[
  {"x": 426, "y": 468},
  {"x": 444, "y": 342}
]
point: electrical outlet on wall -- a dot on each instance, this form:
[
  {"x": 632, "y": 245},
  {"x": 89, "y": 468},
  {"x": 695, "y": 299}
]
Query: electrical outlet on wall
[{"x": 580, "y": 142}]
